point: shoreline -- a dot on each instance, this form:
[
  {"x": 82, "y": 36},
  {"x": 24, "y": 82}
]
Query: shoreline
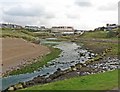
[
  {"x": 37, "y": 63},
  {"x": 76, "y": 71},
  {"x": 20, "y": 53}
]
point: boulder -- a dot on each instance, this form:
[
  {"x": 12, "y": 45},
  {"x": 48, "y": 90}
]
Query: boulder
[
  {"x": 11, "y": 88},
  {"x": 18, "y": 86}
]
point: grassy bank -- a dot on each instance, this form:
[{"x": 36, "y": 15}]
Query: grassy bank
[
  {"x": 99, "y": 42},
  {"x": 29, "y": 36},
  {"x": 40, "y": 62},
  {"x": 23, "y": 33},
  {"x": 102, "y": 81}
]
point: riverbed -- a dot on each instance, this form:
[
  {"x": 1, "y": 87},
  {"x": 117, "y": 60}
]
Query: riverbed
[{"x": 70, "y": 56}]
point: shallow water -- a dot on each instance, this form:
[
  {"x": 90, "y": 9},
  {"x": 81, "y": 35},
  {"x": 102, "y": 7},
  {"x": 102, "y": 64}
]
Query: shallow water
[{"x": 69, "y": 57}]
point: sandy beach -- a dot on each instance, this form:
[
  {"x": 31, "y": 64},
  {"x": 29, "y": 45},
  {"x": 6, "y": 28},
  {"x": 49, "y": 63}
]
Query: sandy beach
[{"x": 16, "y": 52}]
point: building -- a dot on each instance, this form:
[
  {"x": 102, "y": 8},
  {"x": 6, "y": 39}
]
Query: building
[
  {"x": 32, "y": 28},
  {"x": 42, "y": 28},
  {"x": 80, "y": 32},
  {"x": 64, "y": 30},
  {"x": 11, "y": 26},
  {"x": 110, "y": 27}
]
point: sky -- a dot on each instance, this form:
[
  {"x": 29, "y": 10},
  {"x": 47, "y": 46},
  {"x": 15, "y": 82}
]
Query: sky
[{"x": 80, "y": 14}]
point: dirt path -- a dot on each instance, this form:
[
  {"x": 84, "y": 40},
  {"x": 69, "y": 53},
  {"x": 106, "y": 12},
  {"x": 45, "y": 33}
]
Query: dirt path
[{"x": 18, "y": 51}]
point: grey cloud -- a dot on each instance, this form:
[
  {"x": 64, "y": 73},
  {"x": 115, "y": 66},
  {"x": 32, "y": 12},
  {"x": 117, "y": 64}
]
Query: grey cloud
[
  {"x": 49, "y": 15},
  {"x": 71, "y": 16},
  {"x": 18, "y": 19},
  {"x": 108, "y": 7},
  {"x": 23, "y": 11},
  {"x": 83, "y": 3}
]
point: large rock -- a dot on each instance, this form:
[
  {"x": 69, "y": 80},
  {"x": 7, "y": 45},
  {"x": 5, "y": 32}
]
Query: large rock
[
  {"x": 11, "y": 88},
  {"x": 18, "y": 86}
]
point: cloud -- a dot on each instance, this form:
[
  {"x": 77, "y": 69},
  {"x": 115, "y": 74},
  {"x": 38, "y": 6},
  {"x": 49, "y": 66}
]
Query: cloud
[
  {"x": 83, "y": 3},
  {"x": 108, "y": 7},
  {"x": 59, "y": 12},
  {"x": 24, "y": 11}
]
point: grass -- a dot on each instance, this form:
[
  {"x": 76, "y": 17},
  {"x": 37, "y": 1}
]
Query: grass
[
  {"x": 100, "y": 35},
  {"x": 98, "y": 45},
  {"x": 102, "y": 81},
  {"x": 40, "y": 62},
  {"x": 29, "y": 36},
  {"x": 25, "y": 34}
]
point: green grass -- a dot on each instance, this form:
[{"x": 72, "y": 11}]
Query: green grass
[
  {"x": 100, "y": 34},
  {"x": 18, "y": 34},
  {"x": 25, "y": 34},
  {"x": 102, "y": 81},
  {"x": 40, "y": 62},
  {"x": 97, "y": 45},
  {"x": 96, "y": 34}
]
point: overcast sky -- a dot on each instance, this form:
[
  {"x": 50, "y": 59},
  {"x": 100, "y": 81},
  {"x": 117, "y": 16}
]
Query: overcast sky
[{"x": 81, "y": 14}]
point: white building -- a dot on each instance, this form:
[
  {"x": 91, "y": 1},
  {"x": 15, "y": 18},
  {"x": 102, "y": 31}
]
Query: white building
[
  {"x": 63, "y": 30},
  {"x": 34, "y": 28},
  {"x": 80, "y": 32}
]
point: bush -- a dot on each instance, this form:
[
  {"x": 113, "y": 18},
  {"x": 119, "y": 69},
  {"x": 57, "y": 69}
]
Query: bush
[{"x": 112, "y": 34}]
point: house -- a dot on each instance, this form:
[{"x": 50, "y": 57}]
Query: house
[
  {"x": 80, "y": 32},
  {"x": 64, "y": 30},
  {"x": 32, "y": 28},
  {"x": 110, "y": 27},
  {"x": 11, "y": 26},
  {"x": 42, "y": 28}
]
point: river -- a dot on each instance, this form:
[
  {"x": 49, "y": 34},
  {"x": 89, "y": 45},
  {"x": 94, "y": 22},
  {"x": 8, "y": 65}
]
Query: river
[{"x": 69, "y": 57}]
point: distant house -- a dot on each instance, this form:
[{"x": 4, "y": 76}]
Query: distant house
[
  {"x": 110, "y": 27},
  {"x": 32, "y": 28},
  {"x": 80, "y": 32},
  {"x": 100, "y": 29},
  {"x": 64, "y": 30},
  {"x": 11, "y": 26},
  {"x": 42, "y": 28}
]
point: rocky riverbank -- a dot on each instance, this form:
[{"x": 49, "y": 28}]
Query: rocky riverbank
[{"x": 81, "y": 69}]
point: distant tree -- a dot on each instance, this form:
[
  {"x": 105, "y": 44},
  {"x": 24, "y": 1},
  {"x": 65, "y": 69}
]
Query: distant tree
[{"x": 107, "y": 25}]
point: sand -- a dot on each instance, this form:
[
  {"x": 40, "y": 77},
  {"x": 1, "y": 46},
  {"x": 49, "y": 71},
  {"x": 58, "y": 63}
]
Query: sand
[{"x": 16, "y": 52}]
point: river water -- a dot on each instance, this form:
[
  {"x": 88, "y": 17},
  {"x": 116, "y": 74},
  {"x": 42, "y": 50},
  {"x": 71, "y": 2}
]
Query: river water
[{"x": 69, "y": 57}]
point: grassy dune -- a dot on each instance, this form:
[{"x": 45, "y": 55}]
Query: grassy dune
[{"x": 17, "y": 34}]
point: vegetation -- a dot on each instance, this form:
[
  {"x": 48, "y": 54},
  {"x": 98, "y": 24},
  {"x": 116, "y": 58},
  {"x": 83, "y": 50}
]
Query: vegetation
[
  {"x": 25, "y": 34},
  {"x": 102, "y": 34},
  {"x": 102, "y": 81},
  {"x": 99, "y": 41},
  {"x": 96, "y": 34},
  {"x": 18, "y": 34}
]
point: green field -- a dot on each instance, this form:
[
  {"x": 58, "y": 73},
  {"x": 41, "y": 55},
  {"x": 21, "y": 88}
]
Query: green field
[{"x": 102, "y": 81}]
